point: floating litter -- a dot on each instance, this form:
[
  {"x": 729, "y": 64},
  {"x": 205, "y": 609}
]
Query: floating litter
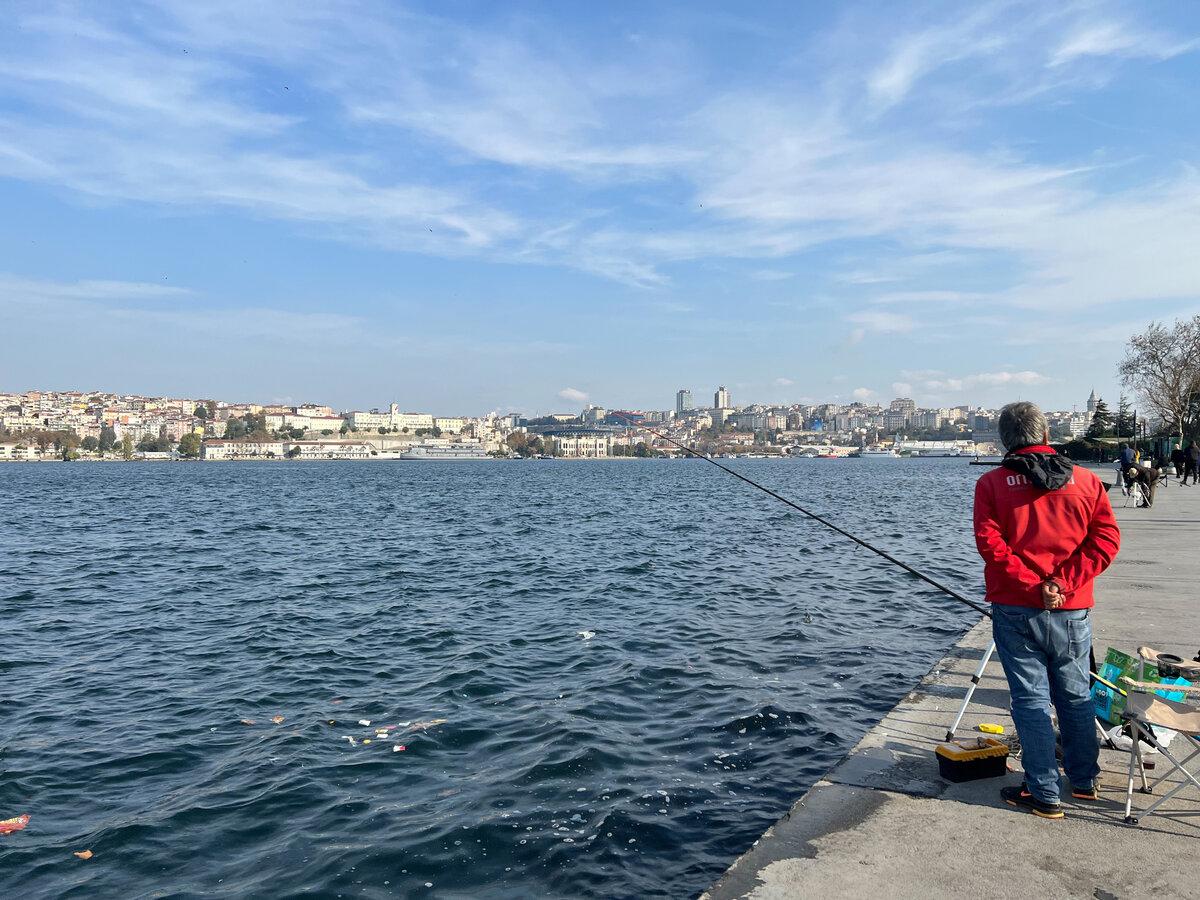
[
  {"x": 353, "y": 742},
  {"x": 278, "y": 720},
  {"x": 399, "y": 748},
  {"x": 364, "y": 721},
  {"x": 84, "y": 854},
  {"x": 424, "y": 726},
  {"x": 8, "y": 826},
  {"x": 586, "y": 635}
]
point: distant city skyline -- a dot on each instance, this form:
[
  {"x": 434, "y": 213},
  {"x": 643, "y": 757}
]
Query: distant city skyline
[
  {"x": 682, "y": 400},
  {"x": 529, "y": 206}
]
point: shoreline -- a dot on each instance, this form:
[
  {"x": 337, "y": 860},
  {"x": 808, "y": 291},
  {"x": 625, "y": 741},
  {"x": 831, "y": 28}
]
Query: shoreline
[{"x": 884, "y": 816}]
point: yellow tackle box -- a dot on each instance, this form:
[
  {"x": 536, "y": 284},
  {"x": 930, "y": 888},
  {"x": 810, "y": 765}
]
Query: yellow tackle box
[{"x": 971, "y": 758}]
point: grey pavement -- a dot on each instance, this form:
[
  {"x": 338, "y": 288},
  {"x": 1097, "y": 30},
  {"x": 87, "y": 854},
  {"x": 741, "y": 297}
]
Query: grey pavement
[{"x": 883, "y": 821}]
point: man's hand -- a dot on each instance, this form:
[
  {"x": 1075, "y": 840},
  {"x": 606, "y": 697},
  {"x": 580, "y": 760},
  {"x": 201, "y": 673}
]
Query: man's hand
[{"x": 1052, "y": 595}]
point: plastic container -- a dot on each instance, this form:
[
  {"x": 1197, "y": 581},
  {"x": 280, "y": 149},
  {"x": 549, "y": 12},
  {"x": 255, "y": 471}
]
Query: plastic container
[{"x": 973, "y": 758}]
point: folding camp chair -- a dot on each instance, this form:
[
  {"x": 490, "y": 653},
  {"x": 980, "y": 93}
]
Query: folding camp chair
[{"x": 1146, "y": 710}]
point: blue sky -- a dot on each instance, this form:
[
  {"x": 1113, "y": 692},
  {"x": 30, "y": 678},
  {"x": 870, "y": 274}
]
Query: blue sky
[{"x": 463, "y": 207}]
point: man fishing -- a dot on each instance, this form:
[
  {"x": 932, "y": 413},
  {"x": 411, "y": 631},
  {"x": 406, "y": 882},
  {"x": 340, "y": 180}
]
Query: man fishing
[{"x": 1045, "y": 530}]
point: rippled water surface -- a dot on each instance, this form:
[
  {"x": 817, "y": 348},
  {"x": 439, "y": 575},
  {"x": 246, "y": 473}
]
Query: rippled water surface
[{"x": 739, "y": 650}]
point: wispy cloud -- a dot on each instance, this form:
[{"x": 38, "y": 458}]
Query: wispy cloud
[
  {"x": 938, "y": 384},
  {"x": 115, "y": 106},
  {"x": 1121, "y": 39},
  {"x": 894, "y": 169},
  {"x": 882, "y": 322},
  {"x": 14, "y": 289}
]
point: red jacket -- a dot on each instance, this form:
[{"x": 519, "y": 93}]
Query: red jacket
[{"x": 1027, "y": 534}]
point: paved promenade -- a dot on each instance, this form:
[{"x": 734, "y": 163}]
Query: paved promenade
[{"x": 884, "y": 823}]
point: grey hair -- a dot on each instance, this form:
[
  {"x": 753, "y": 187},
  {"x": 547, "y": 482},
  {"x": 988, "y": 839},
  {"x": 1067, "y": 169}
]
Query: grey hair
[{"x": 1022, "y": 425}]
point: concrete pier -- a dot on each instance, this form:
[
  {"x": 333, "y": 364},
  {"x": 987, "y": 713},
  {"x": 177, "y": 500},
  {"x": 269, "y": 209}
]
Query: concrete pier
[{"x": 884, "y": 823}]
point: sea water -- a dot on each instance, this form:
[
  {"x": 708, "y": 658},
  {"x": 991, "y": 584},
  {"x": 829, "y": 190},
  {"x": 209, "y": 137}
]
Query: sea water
[{"x": 640, "y": 663}]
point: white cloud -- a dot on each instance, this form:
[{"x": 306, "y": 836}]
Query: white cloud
[
  {"x": 863, "y": 394},
  {"x": 525, "y": 124},
  {"x": 934, "y": 383},
  {"x": 575, "y": 396},
  {"x": 948, "y": 297},
  {"x": 783, "y": 382},
  {"x": 902, "y": 389},
  {"x": 1117, "y": 39},
  {"x": 15, "y": 289},
  {"x": 882, "y": 322}
]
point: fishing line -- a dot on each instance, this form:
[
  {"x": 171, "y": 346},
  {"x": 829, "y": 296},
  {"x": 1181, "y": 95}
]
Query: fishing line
[{"x": 812, "y": 515}]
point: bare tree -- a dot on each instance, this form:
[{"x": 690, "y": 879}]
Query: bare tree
[{"x": 1162, "y": 364}]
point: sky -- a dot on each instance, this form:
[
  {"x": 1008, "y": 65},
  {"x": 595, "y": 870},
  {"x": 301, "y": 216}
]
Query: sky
[{"x": 463, "y": 207}]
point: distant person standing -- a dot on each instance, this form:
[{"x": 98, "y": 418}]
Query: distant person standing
[
  {"x": 1179, "y": 461},
  {"x": 1193, "y": 461},
  {"x": 1127, "y": 456},
  {"x": 1045, "y": 530}
]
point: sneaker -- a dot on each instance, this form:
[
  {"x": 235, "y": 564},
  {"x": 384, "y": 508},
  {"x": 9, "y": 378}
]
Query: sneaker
[
  {"x": 1085, "y": 793},
  {"x": 1019, "y": 796}
]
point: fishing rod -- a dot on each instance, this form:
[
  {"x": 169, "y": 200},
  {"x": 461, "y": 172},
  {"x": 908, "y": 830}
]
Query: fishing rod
[{"x": 812, "y": 515}]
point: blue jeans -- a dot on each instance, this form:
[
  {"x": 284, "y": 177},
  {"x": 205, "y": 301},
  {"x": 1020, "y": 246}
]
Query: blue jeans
[{"x": 1045, "y": 658}]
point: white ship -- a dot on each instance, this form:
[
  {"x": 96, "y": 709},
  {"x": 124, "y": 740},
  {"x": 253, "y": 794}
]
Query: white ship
[
  {"x": 445, "y": 451},
  {"x": 879, "y": 452}
]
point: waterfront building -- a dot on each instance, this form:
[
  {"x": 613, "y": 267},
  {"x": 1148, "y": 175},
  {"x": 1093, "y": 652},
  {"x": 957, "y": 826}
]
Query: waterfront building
[
  {"x": 17, "y": 451},
  {"x": 683, "y": 401},
  {"x": 328, "y": 449},
  {"x": 450, "y": 425},
  {"x": 582, "y": 446},
  {"x": 241, "y": 450}
]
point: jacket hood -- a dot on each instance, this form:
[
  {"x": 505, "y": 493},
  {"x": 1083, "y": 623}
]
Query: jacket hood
[{"x": 1043, "y": 467}]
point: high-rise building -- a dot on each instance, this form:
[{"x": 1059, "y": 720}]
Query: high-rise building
[
  {"x": 721, "y": 398},
  {"x": 683, "y": 401},
  {"x": 903, "y": 404}
]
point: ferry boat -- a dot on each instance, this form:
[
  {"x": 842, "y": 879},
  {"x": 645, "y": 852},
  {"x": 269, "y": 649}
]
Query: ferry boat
[
  {"x": 445, "y": 451},
  {"x": 879, "y": 453}
]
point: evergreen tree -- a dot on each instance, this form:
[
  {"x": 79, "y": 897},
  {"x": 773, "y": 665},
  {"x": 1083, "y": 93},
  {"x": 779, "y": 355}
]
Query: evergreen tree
[
  {"x": 1102, "y": 420},
  {"x": 1124, "y": 421}
]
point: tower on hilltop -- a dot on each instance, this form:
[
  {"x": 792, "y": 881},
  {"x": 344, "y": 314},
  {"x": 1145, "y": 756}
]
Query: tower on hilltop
[
  {"x": 1091, "y": 404},
  {"x": 721, "y": 398},
  {"x": 683, "y": 401}
]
